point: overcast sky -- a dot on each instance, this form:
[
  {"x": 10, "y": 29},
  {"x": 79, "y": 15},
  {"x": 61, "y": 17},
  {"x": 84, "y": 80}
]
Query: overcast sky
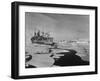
[{"x": 61, "y": 26}]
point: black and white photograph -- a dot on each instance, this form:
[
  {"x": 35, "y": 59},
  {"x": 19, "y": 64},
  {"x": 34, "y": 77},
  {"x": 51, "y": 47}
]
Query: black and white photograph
[
  {"x": 50, "y": 40},
  {"x": 56, "y": 40}
]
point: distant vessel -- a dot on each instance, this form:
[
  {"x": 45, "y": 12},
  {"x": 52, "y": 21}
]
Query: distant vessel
[{"x": 42, "y": 38}]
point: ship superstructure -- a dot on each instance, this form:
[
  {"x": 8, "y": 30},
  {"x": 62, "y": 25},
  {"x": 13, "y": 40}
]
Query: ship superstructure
[{"x": 42, "y": 38}]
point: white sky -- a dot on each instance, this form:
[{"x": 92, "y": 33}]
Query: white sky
[{"x": 61, "y": 26}]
